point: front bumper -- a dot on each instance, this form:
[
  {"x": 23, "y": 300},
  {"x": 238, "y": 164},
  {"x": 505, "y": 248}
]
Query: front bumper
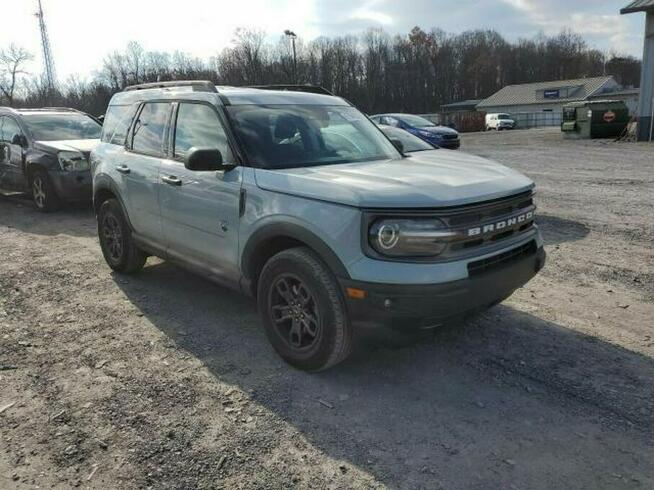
[
  {"x": 419, "y": 307},
  {"x": 73, "y": 186},
  {"x": 449, "y": 144}
]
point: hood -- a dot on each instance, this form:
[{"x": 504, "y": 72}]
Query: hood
[
  {"x": 439, "y": 130},
  {"x": 83, "y": 146},
  {"x": 423, "y": 180}
]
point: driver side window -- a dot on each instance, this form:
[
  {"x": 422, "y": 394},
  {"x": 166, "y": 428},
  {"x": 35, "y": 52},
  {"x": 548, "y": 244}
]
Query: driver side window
[
  {"x": 9, "y": 129},
  {"x": 199, "y": 126}
]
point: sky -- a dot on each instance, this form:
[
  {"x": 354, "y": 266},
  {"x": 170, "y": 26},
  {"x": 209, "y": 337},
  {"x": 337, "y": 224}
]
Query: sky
[{"x": 82, "y": 32}]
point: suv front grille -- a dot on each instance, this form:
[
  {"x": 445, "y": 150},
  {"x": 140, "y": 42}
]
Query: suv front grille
[
  {"x": 473, "y": 226},
  {"x": 491, "y": 263}
]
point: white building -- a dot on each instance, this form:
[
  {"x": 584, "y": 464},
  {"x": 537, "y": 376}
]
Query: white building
[{"x": 541, "y": 103}]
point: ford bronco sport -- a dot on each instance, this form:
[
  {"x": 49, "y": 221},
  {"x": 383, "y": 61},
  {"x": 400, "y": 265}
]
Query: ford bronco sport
[
  {"x": 296, "y": 198},
  {"x": 46, "y": 151}
]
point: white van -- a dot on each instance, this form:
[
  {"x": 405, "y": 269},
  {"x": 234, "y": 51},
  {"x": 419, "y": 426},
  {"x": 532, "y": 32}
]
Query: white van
[{"x": 499, "y": 122}]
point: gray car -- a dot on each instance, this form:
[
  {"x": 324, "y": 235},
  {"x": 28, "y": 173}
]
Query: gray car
[
  {"x": 46, "y": 152},
  {"x": 296, "y": 198}
]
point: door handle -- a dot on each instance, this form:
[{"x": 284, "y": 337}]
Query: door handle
[
  {"x": 123, "y": 169},
  {"x": 171, "y": 180}
]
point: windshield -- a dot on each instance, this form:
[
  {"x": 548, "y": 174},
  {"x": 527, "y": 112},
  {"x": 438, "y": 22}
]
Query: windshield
[
  {"x": 62, "y": 126},
  {"x": 281, "y": 136},
  {"x": 409, "y": 142},
  {"x": 416, "y": 121},
  {"x": 503, "y": 116}
]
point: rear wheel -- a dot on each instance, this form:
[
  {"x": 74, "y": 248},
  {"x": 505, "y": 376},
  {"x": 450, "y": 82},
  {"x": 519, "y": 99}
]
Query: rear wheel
[
  {"x": 116, "y": 240},
  {"x": 43, "y": 192},
  {"x": 303, "y": 311}
]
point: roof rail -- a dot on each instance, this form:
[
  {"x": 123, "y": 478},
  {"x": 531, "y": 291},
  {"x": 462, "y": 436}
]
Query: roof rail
[
  {"x": 60, "y": 109},
  {"x": 41, "y": 109},
  {"x": 312, "y": 89},
  {"x": 197, "y": 85}
]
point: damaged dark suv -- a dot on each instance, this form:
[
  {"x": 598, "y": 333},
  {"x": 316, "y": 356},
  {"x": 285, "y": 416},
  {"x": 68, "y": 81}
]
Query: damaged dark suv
[{"x": 46, "y": 152}]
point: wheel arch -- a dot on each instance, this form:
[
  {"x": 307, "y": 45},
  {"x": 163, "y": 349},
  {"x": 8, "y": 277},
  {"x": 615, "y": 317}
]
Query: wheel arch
[
  {"x": 274, "y": 238},
  {"x": 103, "y": 189}
]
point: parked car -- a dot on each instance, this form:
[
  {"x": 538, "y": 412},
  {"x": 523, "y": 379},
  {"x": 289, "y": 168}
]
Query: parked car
[
  {"x": 405, "y": 141},
  {"x": 499, "y": 122},
  {"x": 45, "y": 152},
  {"x": 440, "y": 136},
  {"x": 297, "y": 199}
]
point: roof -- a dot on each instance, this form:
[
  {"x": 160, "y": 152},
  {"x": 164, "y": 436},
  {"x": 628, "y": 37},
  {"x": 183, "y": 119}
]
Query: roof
[
  {"x": 228, "y": 95},
  {"x": 245, "y": 95},
  {"x": 534, "y": 93},
  {"x": 39, "y": 110},
  {"x": 462, "y": 103},
  {"x": 618, "y": 93},
  {"x": 638, "y": 6}
]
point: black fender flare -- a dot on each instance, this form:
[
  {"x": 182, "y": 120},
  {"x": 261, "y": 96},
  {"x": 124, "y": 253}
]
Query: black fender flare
[
  {"x": 103, "y": 182},
  {"x": 271, "y": 231}
]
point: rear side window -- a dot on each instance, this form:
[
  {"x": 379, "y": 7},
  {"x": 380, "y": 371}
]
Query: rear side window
[
  {"x": 150, "y": 128},
  {"x": 199, "y": 126},
  {"x": 117, "y": 121}
]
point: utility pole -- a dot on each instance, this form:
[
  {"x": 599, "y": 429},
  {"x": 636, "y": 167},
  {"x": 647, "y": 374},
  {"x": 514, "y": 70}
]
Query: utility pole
[
  {"x": 49, "y": 74},
  {"x": 293, "y": 36}
]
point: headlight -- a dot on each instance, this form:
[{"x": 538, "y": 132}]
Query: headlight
[
  {"x": 406, "y": 237},
  {"x": 429, "y": 134},
  {"x": 72, "y": 161}
]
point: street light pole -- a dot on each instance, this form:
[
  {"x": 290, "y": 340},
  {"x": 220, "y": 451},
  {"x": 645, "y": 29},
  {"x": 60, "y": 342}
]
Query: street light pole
[{"x": 292, "y": 35}]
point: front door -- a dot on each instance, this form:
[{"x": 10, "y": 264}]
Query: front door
[
  {"x": 200, "y": 209},
  {"x": 11, "y": 155}
]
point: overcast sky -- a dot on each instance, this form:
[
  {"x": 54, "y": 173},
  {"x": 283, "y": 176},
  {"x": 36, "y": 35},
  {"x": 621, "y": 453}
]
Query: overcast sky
[{"x": 83, "y": 31}]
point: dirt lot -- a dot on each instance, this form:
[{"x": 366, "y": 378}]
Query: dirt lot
[{"x": 164, "y": 380}]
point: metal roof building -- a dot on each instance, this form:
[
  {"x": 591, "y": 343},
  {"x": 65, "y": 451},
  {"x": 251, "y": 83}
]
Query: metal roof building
[
  {"x": 546, "y": 96},
  {"x": 646, "y": 101}
]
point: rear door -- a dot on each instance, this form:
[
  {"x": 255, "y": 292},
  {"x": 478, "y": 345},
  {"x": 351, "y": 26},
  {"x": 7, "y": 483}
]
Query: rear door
[
  {"x": 139, "y": 169},
  {"x": 200, "y": 209}
]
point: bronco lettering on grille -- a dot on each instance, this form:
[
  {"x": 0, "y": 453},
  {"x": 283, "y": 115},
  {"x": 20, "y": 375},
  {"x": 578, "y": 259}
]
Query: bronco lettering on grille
[{"x": 501, "y": 225}]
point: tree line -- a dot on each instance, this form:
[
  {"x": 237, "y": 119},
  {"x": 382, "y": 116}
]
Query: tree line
[{"x": 416, "y": 72}]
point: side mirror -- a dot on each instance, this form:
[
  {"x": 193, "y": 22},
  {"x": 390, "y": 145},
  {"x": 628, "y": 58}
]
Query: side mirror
[
  {"x": 398, "y": 144},
  {"x": 19, "y": 140},
  {"x": 206, "y": 159}
]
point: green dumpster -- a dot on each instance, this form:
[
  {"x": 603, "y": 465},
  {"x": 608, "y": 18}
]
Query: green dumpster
[{"x": 595, "y": 119}]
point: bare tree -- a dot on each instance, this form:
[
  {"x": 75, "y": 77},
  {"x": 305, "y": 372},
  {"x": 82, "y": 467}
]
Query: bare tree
[
  {"x": 415, "y": 72},
  {"x": 12, "y": 63}
]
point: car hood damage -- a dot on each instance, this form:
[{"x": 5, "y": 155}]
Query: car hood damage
[
  {"x": 429, "y": 180},
  {"x": 83, "y": 146}
]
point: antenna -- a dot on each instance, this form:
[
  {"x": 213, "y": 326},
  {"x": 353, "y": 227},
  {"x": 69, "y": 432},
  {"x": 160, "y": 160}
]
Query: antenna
[{"x": 49, "y": 75}]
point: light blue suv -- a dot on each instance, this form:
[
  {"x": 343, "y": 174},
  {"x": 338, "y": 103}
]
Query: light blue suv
[{"x": 296, "y": 198}]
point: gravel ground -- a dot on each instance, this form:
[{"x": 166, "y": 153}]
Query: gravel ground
[{"x": 164, "y": 380}]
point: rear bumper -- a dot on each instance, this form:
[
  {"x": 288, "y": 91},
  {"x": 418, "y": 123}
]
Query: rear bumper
[
  {"x": 415, "y": 307},
  {"x": 73, "y": 186}
]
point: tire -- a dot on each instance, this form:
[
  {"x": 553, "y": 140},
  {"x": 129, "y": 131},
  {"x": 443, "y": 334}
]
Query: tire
[
  {"x": 44, "y": 194},
  {"x": 303, "y": 311},
  {"x": 116, "y": 240}
]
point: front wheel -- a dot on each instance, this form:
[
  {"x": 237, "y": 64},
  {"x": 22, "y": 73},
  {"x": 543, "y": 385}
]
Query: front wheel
[
  {"x": 303, "y": 311},
  {"x": 43, "y": 192},
  {"x": 116, "y": 240}
]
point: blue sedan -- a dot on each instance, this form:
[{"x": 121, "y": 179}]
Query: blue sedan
[{"x": 440, "y": 136}]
